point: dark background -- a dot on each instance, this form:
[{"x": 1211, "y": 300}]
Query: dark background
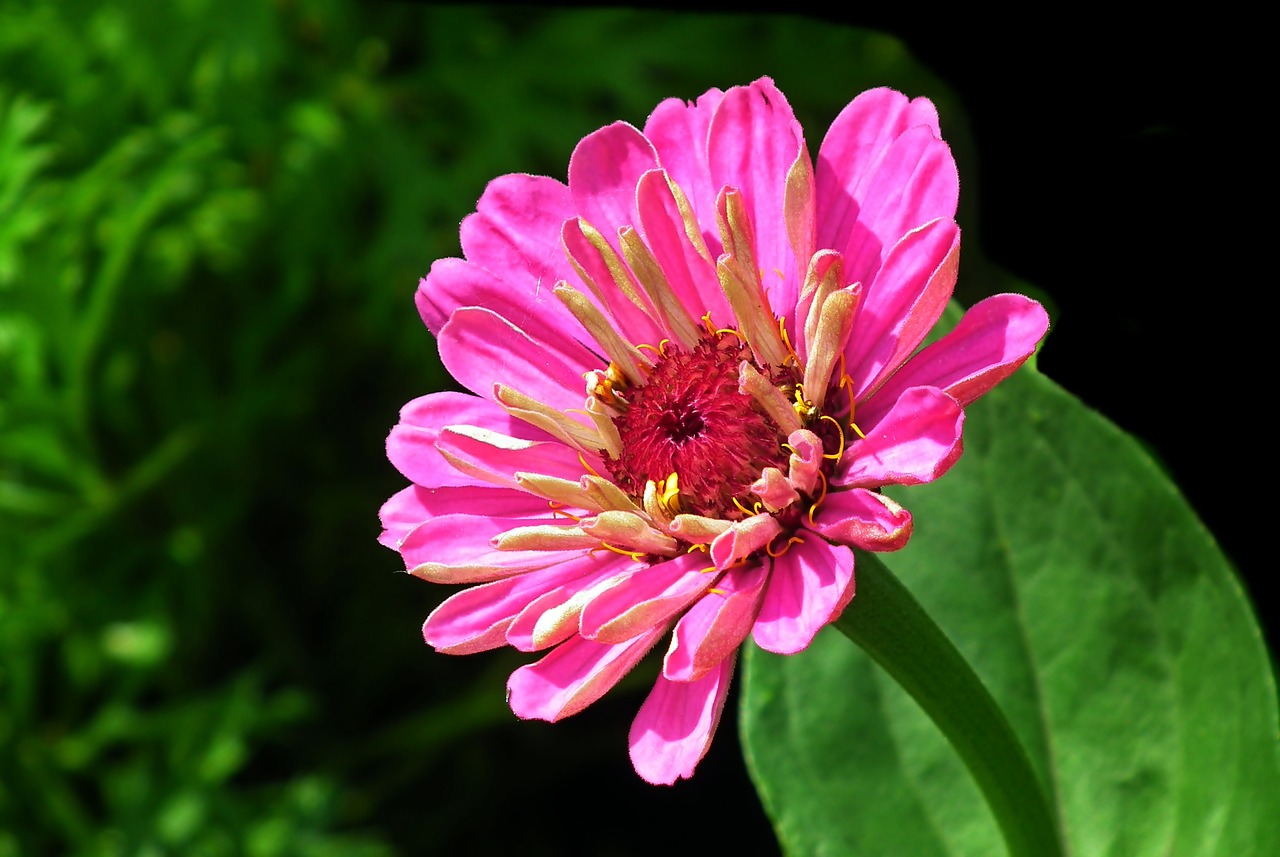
[{"x": 207, "y": 288}]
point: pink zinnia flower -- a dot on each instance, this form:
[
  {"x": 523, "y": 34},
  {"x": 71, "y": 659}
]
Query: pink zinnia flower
[{"x": 694, "y": 367}]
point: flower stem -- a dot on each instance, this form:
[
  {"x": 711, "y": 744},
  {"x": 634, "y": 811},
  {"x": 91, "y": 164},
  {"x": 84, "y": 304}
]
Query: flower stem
[{"x": 891, "y": 626}]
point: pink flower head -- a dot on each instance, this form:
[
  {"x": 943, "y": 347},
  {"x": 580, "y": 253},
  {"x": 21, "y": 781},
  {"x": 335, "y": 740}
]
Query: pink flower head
[{"x": 694, "y": 367}]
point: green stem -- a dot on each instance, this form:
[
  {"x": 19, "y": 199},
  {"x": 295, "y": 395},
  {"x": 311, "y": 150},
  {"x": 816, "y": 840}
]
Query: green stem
[{"x": 892, "y": 627}]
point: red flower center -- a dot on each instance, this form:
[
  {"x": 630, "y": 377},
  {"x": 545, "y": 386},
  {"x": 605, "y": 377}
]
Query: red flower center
[{"x": 690, "y": 419}]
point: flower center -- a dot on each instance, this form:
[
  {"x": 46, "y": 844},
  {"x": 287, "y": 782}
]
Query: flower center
[{"x": 690, "y": 419}]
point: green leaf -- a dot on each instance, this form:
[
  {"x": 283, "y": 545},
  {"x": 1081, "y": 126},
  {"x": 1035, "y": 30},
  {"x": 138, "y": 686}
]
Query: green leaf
[{"x": 1105, "y": 622}]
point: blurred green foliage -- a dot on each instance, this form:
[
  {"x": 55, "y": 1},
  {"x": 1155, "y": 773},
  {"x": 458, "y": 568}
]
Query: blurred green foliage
[{"x": 212, "y": 218}]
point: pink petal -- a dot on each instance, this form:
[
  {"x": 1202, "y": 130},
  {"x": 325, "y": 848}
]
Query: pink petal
[
  {"x": 644, "y": 599},
  {"x": 515, "y": 231},
  {"x": 573, "y": 675},
  {"x": 481, "y": 348},
  {"x": 852, "y": 150},
  {"x": 499, "y": 458},
  {"x": 552, "y": 617},
  {"x": 458, "y": 549},
  {"x": 917, "y": 441},
  {"x": 674, "y": 727},
  {"x": 603, "y": 172},
  {"x": 907, "y": 298},
  {"x": 742, "y": 538},
  {"x": 411, "y": 506},
  {"x": 678, "y": 130},
  {"x": 528, "y": 304},
  {"x": 808, "y": 587},
  {"x": 994, "y": 338},
  {"x": 692, "y": 275},
  {"x": 915, "y": 183},
  {"x": 476, "y": 619},
  {"x": 638, "y": 325},
  {"x": 400, "y": 514},
  {"x": 712, "y": 629},
  {"x": 753, "y": 143},
  {"x": 411, "y": 446},
  {"x": 863, "y": 519}
]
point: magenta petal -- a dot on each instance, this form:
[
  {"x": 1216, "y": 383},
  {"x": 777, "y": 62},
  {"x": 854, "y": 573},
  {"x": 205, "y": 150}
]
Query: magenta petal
[
  {"x": 499, "y": 458},
  {"x": 863, "y": 519},
  {"x": 476, "y": 619},
  {"x": 907, "y": 298},
  {"x": 573, "y": 675},
  {"x": 642, "y": 600},
  {"x": 692, "y": 275},
  {"x": 753, "y": 142},
  {"x": 808, "y": 587},
  {"x": 601, "y": 286},
  {"x": 852, "y": 150},
  {"x": 675, "y": 725},
  {"x": 515, "y": 231},
  {"x": 743, "y": 538},
  {"x": 915, "y": 183},
  {"x": 458, "y": 549},
  {"x": 479, "y": 347},
  {"x": 401, "y": 513},
  {"x": 994, "y": 338},
  {"x": 603, "y": 172},
  {"x": 411, "y": 445},
  {"x": 678, "y": 130},
  {"x": 531, "y": 306},
  {"x": 488, "y": 500},
  {"x": 552, "y": 617},
  {"x": 408, "y": 508},
  {"x": 712, "y": 629},
  {"x": 917, "y": 441}
]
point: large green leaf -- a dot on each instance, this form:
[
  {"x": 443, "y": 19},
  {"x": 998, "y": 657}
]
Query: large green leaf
[{"x": 1104, "y": 620}]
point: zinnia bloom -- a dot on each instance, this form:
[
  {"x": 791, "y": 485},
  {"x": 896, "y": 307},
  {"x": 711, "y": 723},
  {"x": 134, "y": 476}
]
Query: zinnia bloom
[{"x": 695, "y": 365}]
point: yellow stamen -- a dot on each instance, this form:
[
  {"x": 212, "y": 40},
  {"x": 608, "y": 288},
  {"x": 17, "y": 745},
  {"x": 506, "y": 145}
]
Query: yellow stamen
[
  {"x": 786, "y": 340},
  {"x": 557, "y": 509},
  {"x": 794, "y": 540},
  {"x": 816, "y": 503},
  {"x": 588, "y": 467},
  {"x": 753, "y": 511},
  {"x": 845, "y": 380},
  {"x": 698, "y": 546},
  {"x": 836, "y": 456},
  {"x": 636, "y": 555},
  {"x": 803, "y": 407},
  {"x": 715, "y": 591},
  {"x": 669, "y": 493}
]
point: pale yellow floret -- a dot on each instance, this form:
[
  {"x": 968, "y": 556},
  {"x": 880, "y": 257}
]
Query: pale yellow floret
[
  {"x": 834, "y": 323},
  {"x": 544, "y": 537},
  {"x": 816, "y": 290},
  {"x": 671, "y": 312},
  {"x": 621, "y": 353},
  {"x": 554, "y": 422},
  {"x": 618, "y": 271},
  {"x": 769, "y": 397},
  {"x": 692, "y": 228},
  {"x": 610, "y": 440},
  {"x": 740, "y": 282},
  {"x": 631, "y": 531}
]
